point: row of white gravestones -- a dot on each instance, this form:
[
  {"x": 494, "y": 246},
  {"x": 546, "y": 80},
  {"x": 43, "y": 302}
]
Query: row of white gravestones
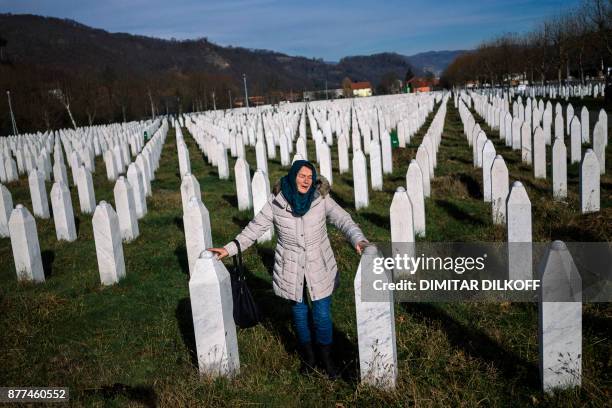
[
  {"x": 589, "y": 182},
  {"x": 559, "y": 323}
]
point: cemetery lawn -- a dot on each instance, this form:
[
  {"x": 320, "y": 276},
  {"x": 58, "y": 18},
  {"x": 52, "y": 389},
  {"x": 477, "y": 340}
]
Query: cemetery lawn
[{"x": 133, "y": 343}]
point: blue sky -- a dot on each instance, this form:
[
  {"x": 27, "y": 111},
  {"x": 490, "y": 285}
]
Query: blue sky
[{"x": 315, "y": 28}]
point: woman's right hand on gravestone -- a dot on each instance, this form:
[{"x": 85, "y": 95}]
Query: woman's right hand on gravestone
[{"x": 220, "y": 252}]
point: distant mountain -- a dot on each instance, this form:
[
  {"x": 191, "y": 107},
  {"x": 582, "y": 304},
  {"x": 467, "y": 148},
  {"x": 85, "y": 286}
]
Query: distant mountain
[
  {"x": 434, "y": 61},
  {"x": 68, "y": 45}
]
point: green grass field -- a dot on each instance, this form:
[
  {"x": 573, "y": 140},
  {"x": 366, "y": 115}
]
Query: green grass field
[{"x": 133, "y": 344}]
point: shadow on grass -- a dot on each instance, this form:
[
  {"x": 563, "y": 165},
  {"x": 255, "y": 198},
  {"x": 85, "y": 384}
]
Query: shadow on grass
[
  {"x": 342, "y": 202},
  {"x": 184, "y": 319},
  {"x": 471, "y": 184},
  {"x": 231, "y": 200},
  {"x": 241, "y": 221},
  {"x": 276, "y": 313},
  {"x": 478, "y": 344},
  {"x": 267, "y": 258},
  {"x": 378, "y": 220},
  {"x": 181, "y": 257},
  {"x": 178, "y": 221},
  {"x": 47, "y": 260},
  {"x": 458, "y": 213},
  {"x": 276, "y": 318},
  {"x": 144, "y": 395}
]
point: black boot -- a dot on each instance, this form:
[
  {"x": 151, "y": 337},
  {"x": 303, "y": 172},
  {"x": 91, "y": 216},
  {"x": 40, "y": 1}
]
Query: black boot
[
  {"x": 327, "y": 361},
  {"x": 308, "y": 358}
]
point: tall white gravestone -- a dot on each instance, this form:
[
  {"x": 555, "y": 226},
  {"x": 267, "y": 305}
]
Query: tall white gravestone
[
  {"x": 589, "y": 183},
  {"x": 518, "y": 213},
  {"x": 560, "y": 320},
  {"x": 38, "y": 194},
  {"x": 109, "y": 249},
  {"x": 26, "y": 249},
  {"x": 126, "y": 209},
  {"x": 210, "y": 291},
  {"x": 63, "y": 214},
  {"x": 375, "y": 327},
  {"x": 6, "y": 208},
  {"x": 198, "y": 235}
]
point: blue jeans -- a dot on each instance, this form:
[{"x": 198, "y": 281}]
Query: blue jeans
[{"x": 321, "y": 317}]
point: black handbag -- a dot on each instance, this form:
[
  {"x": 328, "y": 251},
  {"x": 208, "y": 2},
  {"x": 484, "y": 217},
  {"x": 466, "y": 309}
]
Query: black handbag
[{"x": 246, "y": 312}]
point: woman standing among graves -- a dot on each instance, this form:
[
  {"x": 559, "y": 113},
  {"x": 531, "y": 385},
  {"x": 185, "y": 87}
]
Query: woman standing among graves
[{"x": 297, "y": 209}]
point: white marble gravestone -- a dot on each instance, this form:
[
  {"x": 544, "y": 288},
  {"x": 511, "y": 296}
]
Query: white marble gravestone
[
  {"x": 198, "y": 235},
  {"x": 243, "y": 184},
  {"x": 422, "y": 158},
  {"x": 575, "y": 141},
  {"x": 38, "y": 194},
  {"x": 518, "y": 216},
  {"x": 526, "y": 143},
  {"x": 343, "y": 157},
  {"x": 559, "y": 130},
  {"x": 262, "y": 157},
  {"x": 210, "y": 291},
  {"x": 584, "y": 121},
  {"x": 414, "y": 189},
  {"x": 222, "y": 162},
  {"x": 63, "y": 214},
  {"x": 376, "y": 166},
  {"x": 183, "y": 156},
  {"x": 559, "y": 169},
  {"x": 488, "y": 155},
  {"x": 599, "y": 145},
  {"x": 59, "y": 172},
  {"x": 87, "y": 198},
  {"x": 135, "y": 180},
  {"x": 190, "y": 187},
  {"x": 539, "y": 154},
  {"x": 401, "y": 219},
  {"x": 589, "y": 183},
  {"x": 26, "y": 249},
  {"x": 375, "y": 327},
  {"x": 387, "y": 156},
  {"x": 109, "y": 249},
  {"x": 6, "y": 208},
  {"x": 499, "y": 189},
  {"x": 560, "y": 320},
  {"x": 360, "y": 180},
  {"x": 261, "y": 192},
  {"x": 126, "y": 209},
  {"x": 325, "y": 162}
]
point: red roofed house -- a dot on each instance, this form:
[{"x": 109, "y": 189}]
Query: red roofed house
[
  {"x": 361, "y": 88},
  {"x": 422, "y": 84}
]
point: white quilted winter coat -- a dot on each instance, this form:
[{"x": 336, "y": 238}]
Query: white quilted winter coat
[{"x": 303, "y": 248}]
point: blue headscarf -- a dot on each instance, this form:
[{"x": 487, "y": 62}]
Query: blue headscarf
[{"x": 300, "y": 202}]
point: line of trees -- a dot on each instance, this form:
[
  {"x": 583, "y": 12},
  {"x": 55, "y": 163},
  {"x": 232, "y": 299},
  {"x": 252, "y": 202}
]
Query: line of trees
[
  {"x": 575, "y": 44},
  {"x": 45, "y": 98}
]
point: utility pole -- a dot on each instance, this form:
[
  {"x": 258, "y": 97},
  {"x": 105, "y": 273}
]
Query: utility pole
[
  {"x": 13, "y": 122},
  {"x": 214, "y": 101},
  {"x": 246, "y": 93},
  {"x": 229, "y": 91}
]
